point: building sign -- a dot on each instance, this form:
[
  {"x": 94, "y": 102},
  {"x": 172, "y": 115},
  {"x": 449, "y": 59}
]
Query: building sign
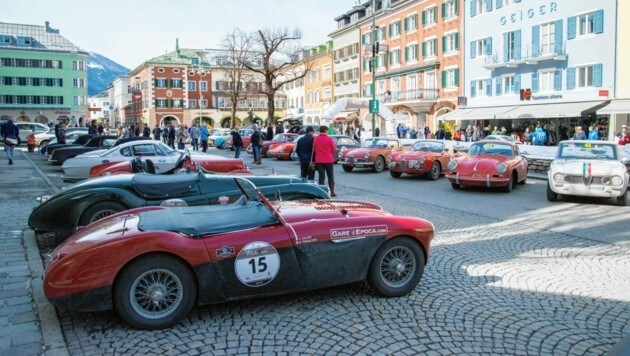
[
  {"x": 547, "y": 97},
  {"x": 603, "y": 93},
  {"x": 462, "y": 101},
  {"x": 520, "y": 15}
]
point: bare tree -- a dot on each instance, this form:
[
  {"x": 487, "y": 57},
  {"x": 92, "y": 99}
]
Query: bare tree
[
  {"x": 237, "y": 46},
  {"x": 277, "y": 57}
]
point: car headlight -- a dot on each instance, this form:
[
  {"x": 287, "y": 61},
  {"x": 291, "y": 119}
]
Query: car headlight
[
  {"x": 501, "y": 168},
  {"x": 451, "y": 165},
  {"x": 43, "y": 199},
  {"x": 606, "y": 180},
  {"x": 617, "y": 180},
  {"x": 366, "y": 156},
  {"x": 389, "y": 159},
  {"x": 558, "y": 178},
  {"x": 421, "y": 160}
]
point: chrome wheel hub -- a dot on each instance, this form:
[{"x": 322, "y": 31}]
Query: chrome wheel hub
[
  {"x": 156, "y": 293},
  {"x": 398, "y": 266}
]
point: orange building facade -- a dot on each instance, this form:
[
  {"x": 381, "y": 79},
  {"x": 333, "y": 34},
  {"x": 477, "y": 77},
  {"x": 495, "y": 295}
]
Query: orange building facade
[
  {"x": 319, "y": 84},
  {"x": 418, "y": 64}
]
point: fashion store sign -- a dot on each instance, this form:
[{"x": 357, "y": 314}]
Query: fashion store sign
[{"x": 520, "y": 15}]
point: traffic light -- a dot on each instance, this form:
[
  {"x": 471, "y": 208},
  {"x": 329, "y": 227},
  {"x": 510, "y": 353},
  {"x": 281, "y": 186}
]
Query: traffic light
[{"x": 526, "y": 94}]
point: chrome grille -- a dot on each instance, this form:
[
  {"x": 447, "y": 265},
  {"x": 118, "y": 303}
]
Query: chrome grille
[
  {"x": 403, "y": 164},
  {"x": 347, "y": 205},
  {"x": 584, "y": 180}
]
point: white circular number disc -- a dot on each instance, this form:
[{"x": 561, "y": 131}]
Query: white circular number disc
[{"x": 257, "y": 264}]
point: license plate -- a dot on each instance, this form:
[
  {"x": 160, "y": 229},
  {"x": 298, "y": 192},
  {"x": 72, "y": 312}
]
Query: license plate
[{"x": 598, "y": 189}]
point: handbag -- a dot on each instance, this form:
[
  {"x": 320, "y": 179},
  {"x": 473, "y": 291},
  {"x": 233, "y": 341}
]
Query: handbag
[
  {"x": 11, "y": 141},
  {"x": 311, "y": 164}
]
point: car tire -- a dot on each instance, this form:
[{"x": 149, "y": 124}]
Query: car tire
[
  {"x": 151, "y": 277},
  {"x": 99, "y": 211},
  {"x": 43, "y": 143},
  {"x": 508, "y": 188},
  {"x": 623, "y": 199},
  {"x": 551, "y": 195},
  {"x": 456, "y": 186},
  {"x": 435, "y": 171},
  {"x": 396, "y": 268},
  {"x": 347, "y": 168},
  {"x": 379, "y": 164},
  {"x": 523, "y": 182},
  {"x": 223, "y": 145},
  {"x": 395, "y": 174}
]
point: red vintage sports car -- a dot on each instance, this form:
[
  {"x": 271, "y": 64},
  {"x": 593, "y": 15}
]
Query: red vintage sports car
[
  {"x": 489, "y": 164},
  {"x": 153, "y": 264},
  {"x": 372, "y": 154},
  {"x": 426, "y": 157},
  {"x": 208, "y": 163},
  {"x": 279, "y": 138}
]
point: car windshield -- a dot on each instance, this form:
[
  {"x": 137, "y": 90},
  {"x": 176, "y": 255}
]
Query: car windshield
[
  {"x": 491, "y": 149},
  {"x": 374, "y": 143},
  {"x": 219, "y": 133},
  {"x": 428, "y": 146},
  {"x": 587, "y": 150},
  {"x": 169, "y": 151}
]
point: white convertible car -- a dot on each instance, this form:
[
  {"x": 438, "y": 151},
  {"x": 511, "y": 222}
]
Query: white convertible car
[
  {"x": 163, "y": 157},
  {"x": 588, "y": 168}
]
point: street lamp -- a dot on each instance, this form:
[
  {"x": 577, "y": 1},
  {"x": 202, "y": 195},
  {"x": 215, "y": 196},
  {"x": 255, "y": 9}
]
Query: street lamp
[
  {"x": 375, "y": 49},
  {"x": 201, "y": 72}
]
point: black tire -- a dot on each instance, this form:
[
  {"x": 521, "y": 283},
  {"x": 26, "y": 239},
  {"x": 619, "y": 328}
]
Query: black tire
[
  {"x": 436, "y": 169},
  {"x": 385, "y": 276},
  {"x": 623, "y": 199},
  {"x": 347, "y": 168},
  {"x": 43, "y": 143},
  {"x": 456, "y": 186},
  {"x": 551, "y": 195},
  {"x": 379, "y": 164},
  {"x": 99, "y": 211},
  {"x": 508, "y": 188},
  {"x": 523, "y": 181},
  {"x": 223, "y": 145},
  {"x": 169, "y": 277},
  {"x": 395, "y": 174}
]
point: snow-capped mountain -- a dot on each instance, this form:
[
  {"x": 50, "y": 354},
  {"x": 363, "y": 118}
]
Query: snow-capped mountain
[{"x": 101, "y": 71}]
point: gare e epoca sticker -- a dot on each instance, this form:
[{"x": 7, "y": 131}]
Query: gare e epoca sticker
[
  {"x": 357, "y": 232},
  {"x": 257, "y": 264}
]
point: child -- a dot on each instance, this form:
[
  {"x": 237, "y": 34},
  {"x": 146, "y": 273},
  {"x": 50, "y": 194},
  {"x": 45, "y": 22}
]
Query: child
[{"x": 31, "y": 142}]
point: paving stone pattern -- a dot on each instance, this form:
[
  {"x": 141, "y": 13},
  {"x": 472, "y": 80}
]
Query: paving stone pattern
[{"x": 489, "y": 288}]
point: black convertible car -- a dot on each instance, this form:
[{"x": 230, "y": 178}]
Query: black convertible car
[
  {"x": 96, "y": 198},
  {"x": 96, "y": 142}
]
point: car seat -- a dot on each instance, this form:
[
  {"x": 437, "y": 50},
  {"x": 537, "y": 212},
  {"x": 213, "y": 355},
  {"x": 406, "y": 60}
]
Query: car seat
[{"x": 150, "y": 167}]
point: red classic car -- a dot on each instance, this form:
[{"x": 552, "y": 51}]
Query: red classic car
[
  {"x": 279, "y": 138},
  {"x": 153, "y": 264},
  {"x": 489, "y": 164},
  {"x": 372, "y": 154},
  {"x": 428, "y": 157},
  {"x": 211, "y": 163},
  {"x": 246, "y": 136}
]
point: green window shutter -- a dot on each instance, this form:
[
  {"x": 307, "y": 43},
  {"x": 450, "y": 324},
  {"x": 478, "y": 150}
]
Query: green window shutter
[
  {"x": 435, "y": 13},
  {"x": 156, "y": 103},
  {"x": 390, "y": 28},
  {"x": 443, "y": 79},
  {"x": 61, "y": 82},
  {"x": 172, "y": 83},
  {"x": 456, "y": 77},
  {"x": 415, "y": 17},
  {"x": 416, "y": 52},
  {"x": 443, "y": 10},
  {"x": 156, "y": 83},
  {"x": 406, "y": 54},
  {"x": 406, "y": 24},
  {"x": 424, "y": 18},
  {"x": 424, "y": 49},
  {"x": 456, "y": 7},
  {"x": 172, "y": 103},
  {"x": 443, "y": 44},
  {"x": 363, "y": 39},
  {"x": 457, "y": 41}
]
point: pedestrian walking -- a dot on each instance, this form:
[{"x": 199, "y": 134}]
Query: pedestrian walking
[
  {"x": 540, "y": 137},
  {"x": 624, "y": 136},
  {"x": 593, "y": 135},
  {"x": 237, "y": 142},
  {"x": 10, "y": 133},
  {"x": 304, "y": 150},
  {"x": 156, "y": 132},
  {"x": 171, "y": 136},
  {"x": 357, "y": 133},
  {"x": 257, "y": 143},
  {"x": 377, "y": 132},
  {"x": 194, "y": 137},
  {"x": 182, "y": 137},
  {"x": 203, "y": 136},
  {"x": 146, "y": 132},
  {"x": 324, "y": 152},
  {"x": 60, "y": 134},
  {"x": 165, "y": 134},
  {"x": 270, "y": 131}
]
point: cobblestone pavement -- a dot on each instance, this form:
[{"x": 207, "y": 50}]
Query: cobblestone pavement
[{"x": 491, "y": 286}]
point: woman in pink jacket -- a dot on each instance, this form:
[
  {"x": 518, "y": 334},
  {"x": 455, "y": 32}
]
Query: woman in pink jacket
[{"x": 325, "y": 149}]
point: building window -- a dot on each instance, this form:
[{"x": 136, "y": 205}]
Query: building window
[
  {"x": 58, "y": 100},
  {"x": 75, "y": 83},
  {"x": 82, "y": 65},
  {"x": 429, "y": 48},
  {"x": 326, "y": 94},
  {"x": 192, "y": 103},
  {"x": 175, "y": 70},
  {"x": 75, "y": 100},
  {"x": 394, "y": 57},
  {"x": 508, "y": 85},
  {"x": 483, "y": 6},
  {"x": 160, "y": 70},
  {"x": 161, "y": 103},
  {"x": 411, "y": 53},
  {"x": 429, "y": 16},
  {"x": 177, "y": 103},
  {"x": 394, "y": 29},
  {"x": 584, "y": 77},
  {"x": 450, "y": 78},
  {"x": 449, "y": 9},
  {"x": 482, "y": 87},
  {"x": 326, "y": 72},
  {"x": 316, "y": 96},
  {"x": 450, "y": 43},
  {"x": 411, "y": 23},
  {"x": 585, "y": 24},
  {"x": 160, "y": 83},
  {"x": 176, "y": 83},
  {"x": 547, "y": 38},
  {"x": 513, "y": 45},
  {"x": 203, "y": 86},
  {"x": 22, "y": 40},
  {"x": 75, "y": 65},
  {"x": 381, "y": 61},
  {"x": 546, "y": 80}
]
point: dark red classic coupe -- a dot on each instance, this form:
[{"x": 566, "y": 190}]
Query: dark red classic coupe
[{"x": 153, "y": 264}]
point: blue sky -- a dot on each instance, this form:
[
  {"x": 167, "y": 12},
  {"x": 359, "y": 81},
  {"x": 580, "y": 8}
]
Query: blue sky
[{"x": 131, "y": 31}]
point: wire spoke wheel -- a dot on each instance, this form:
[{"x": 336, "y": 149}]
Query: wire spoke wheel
[
  {"x": 156, "y": 293},
  {"x": 102, "y": 214},
  {"x": 397, "y": 266}
]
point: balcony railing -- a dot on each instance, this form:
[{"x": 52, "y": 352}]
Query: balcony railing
[
  {"x": 532, "y": 55},
  {"x": 409, "y": 95}
]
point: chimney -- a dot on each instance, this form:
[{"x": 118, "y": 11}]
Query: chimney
[
  {"x": 47, "y": 26},
  {"x": 177, "y": 46}
]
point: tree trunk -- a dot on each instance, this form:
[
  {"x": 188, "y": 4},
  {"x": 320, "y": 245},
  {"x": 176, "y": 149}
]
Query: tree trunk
[
  {"x": 271, "y": 107},
  {"x": 232, "y": 116}
]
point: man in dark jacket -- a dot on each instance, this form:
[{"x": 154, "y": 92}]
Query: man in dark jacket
[
  {"x": 304, "y": 150},
  {"x": 237, "y": 141},
  {"x": 93, "y": 130},
  {"x": 157, "y": 132},
  {"x": 9, "y": 131},
  {"x": 171, "y": 136},
  {"x": 269, "y": 132},
  {"x": 279, "y": 128},
  {"x": 257, "y": 143}
]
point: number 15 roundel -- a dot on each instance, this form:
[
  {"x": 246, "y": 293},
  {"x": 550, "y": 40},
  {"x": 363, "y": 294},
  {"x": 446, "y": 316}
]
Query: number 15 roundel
[{"x": 257, "y": 264}]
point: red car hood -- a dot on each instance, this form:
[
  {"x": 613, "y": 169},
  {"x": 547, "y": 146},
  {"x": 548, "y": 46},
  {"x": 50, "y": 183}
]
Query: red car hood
[
  {"x": 305, "y": 210},
  {"x": 480, "y": 163},
  {"x": 411, "y": 155},
  {"x": 357, "y": 152}
]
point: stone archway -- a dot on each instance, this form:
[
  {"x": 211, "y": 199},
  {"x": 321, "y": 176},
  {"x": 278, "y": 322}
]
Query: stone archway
[
  {"x": 206, "y": 120},
  {"x": 226, "y": 122},
  {"x": 168, "y": 120},
  {"x": 22, "y": 118},
  {"x": 41, "y": 119},
  {"x": 63, "y": 119}
]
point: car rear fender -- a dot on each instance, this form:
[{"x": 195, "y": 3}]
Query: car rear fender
[
  {"x": 296, "y": 191},
  {"x": 86, "y": 199}
]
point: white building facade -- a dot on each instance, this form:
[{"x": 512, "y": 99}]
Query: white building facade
[
  {"x": 538, "y": 62},
  {"x": 120, "y": 96}
]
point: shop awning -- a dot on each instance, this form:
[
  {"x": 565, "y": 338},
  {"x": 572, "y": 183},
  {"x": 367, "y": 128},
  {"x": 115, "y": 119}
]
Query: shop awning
[
  {"x": 615, "y": 107},
  {"x": 546, "y": 111},
  {"x": 490, "y": 112},
  {"x": 344, "y": 115}
]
